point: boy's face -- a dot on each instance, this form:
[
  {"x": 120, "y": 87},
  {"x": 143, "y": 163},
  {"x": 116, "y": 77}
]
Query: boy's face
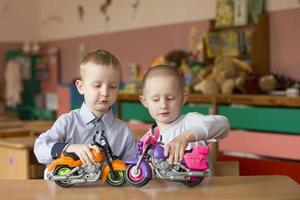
[
  {"x": 99, "y": 85},
  {"x": 163, "y": 97}
]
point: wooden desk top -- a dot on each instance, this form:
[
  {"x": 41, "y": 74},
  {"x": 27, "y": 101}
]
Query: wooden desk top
[
  {"x": 38, "y": 126},
  {"x": 24, "y": 142},
  {"x": 21, "y": 128},
  {"x": 234, "y": 187},
  {"x": 11, "y": 124},
  {"x": 8, "y": 116}
]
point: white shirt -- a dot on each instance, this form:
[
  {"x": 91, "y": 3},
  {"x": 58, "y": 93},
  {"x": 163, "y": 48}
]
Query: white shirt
[{"x": 204, "y": 126}]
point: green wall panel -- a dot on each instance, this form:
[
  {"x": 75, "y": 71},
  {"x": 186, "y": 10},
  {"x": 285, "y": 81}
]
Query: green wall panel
[
  {"x": 283, "y": 120},
  {"x": 201, "y": 108},
  {"x": 136, "y": 111}
]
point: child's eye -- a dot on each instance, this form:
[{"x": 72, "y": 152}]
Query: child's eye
[
  {"x": 97, "y": 86},
  {"x": 113, "y": 86},
  {"x": 170, "y": 98},
  {"x": 155, "y": 100}
]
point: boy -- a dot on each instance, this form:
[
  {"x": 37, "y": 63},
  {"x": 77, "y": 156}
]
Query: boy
[
  {"x": 163, "y": 95},
  {"x": 100, "y": 75}
]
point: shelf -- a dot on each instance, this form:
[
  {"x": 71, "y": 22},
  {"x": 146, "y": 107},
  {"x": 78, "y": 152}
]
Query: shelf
[
  {"x": 254, "y": 100},
  {"x": 229, "y": 28},
  {"x": 249, "y": 43}
]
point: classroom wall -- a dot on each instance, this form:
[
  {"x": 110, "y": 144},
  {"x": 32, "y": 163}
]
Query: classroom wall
[
  {"x": 139, "y": 45},
  {"x": 285, "y": 42},
  {"x": 61, "y": 19},
  {"x": 144, "y": 44},
  {"x": 19, "y": 20},
  {"x": 49, "y": 20},
  {"x": 155, "y": 28}
]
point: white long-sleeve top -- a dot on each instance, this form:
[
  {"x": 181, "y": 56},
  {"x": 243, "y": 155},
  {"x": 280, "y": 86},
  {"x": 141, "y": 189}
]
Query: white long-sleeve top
[{"x": 204, "y": 126}]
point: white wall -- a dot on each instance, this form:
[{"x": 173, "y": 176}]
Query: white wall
[
  {"x": 46, "y": 20},
  {"x": 121, "y": 13},
  {"x": 274, "y": 5},
  {"x": 19, "y": 20}
]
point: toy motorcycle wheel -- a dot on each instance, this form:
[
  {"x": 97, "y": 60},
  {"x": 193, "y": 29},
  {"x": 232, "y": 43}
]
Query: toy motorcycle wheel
[
  {"x": 62, "y": 171},
  {"x": 117, "y": 180},
  {"x": 193, "y": 181},
  {"x": 136, "y": 177}
]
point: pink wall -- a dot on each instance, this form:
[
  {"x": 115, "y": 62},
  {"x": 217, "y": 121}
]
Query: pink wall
[
  {"x": 285, "y": 42},
  {"x": 139, "y": 45}
]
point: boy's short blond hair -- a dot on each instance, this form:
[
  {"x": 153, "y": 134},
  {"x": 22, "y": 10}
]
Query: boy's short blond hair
[
  {"x": 162, "y": 70},
  {"x": 99, "y": 57}
]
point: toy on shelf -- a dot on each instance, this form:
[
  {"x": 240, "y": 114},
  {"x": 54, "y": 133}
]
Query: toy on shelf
[
  {"x": 195, "y": 43},
  {"x": 224, "y": 13},
  {"x": 160, "y": 60},
  {"x": 186, "y": 74},
  {"x": 135, "y": 76},
  {"x": 190, "y": 171},
  {"x": 68, "y": 169},
  {"x": 226, "y": 75}
]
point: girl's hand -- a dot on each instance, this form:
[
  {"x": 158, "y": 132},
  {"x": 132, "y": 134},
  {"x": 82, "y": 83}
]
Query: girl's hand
[
  {"x": 175, "y": 149},
  {"x": 83, "y": 151}
]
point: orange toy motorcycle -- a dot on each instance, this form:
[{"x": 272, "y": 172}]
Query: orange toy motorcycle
[{"x": 68, "y": 170}]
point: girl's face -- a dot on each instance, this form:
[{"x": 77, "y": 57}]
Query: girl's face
[
  {"x": 99, "y": 85},
  {"x": 163, "y": 97}
]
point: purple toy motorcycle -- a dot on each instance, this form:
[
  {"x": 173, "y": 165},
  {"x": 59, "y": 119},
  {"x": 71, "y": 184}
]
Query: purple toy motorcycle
[{"x": 190, "y": 171}]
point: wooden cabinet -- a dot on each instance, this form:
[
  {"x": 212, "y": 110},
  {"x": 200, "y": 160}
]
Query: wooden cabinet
[
  {"x": 249, "y": 43},
  {"x": 18, "y": 160}
]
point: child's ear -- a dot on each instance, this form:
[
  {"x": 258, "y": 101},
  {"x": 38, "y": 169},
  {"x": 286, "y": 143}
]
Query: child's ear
[
  {"x": 80, "y": 86},
  {"x": 185, "y": 97},
  {"x": 143, "y": 101}
]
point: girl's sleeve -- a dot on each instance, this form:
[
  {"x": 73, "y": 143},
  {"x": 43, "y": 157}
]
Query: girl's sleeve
[{"x": 207, "y": 126}]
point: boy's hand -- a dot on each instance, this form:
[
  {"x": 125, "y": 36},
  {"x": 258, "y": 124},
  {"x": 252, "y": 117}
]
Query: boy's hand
[
  {"x": 175, "y": 149},
  {"x": 83, "y": 151}
]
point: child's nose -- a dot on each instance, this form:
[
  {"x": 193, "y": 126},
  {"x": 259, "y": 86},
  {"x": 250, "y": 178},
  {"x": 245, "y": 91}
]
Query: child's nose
[
  {"x": 104, "y": 91},
  {"x": 163, "y": 103}
]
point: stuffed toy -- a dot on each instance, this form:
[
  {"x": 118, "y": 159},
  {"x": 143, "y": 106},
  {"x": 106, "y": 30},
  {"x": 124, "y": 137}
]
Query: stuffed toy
[
  {"x": 268, "y": 83},
  {"x": 225, "y": 76}
]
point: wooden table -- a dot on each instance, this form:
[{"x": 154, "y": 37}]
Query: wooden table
[
  {"x": 11, "y": 124},
  {"x": 14, "y": 132},
  {"x": 24, "y": 128},
  {"x": 17, "y": 158},
  {"x": 38, "y": 126},
  {"x": 238, "y": 187}
]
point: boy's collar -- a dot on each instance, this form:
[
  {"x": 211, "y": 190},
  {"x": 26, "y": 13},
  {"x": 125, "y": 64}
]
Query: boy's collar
[{"x": 87, "y": 116}]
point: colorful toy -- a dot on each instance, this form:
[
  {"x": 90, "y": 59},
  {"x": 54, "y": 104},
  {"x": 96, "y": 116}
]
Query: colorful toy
[
  {"x": 68, "y": 169},
  {"x": 190, "y": 171}
]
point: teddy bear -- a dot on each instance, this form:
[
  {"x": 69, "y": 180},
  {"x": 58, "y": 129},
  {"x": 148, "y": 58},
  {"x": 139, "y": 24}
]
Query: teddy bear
[{"x": 223, "y": 77}]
